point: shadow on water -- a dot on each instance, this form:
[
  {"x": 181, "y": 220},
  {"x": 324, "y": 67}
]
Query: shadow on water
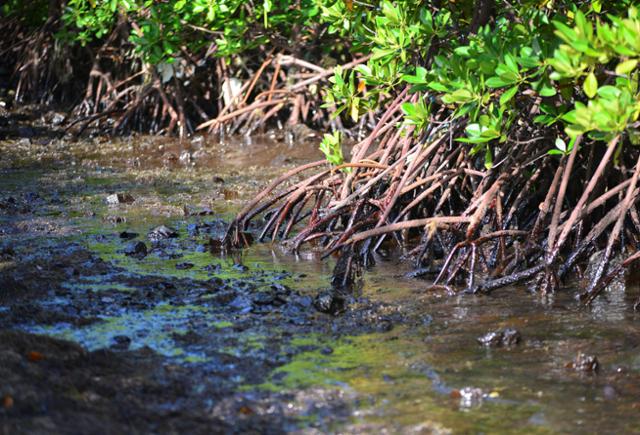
[{"x": 399, "y": 359}]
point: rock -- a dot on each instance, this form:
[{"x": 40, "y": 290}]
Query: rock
[
  {"x": 127, "y": 235},
  {"x": 205, "y": 211},
  {"x": 162, "y": 232},
  {"x": 471, "y": 396},
  {"x": 193, "y": 230},
  {"x": 329, "y": 302},
  {"x": 263, "y": 298},
  {"x": 121, "y": 342},
  {"x": 241, "y": 304},
  {"x": 184, "y": 266},
  {"x": 506, "y": 337},
  {"x": 7, "y": 253},
  {"x": 115, "y": 219},
  {"x": 240, "y": 267},
  {"x": 120, "y": 198},
  {"x": 136, "y": 249},
  {"x": 584, "y": 363},
  {"x": 54, "y": 118},
  {"x": 185, "y": 157}
]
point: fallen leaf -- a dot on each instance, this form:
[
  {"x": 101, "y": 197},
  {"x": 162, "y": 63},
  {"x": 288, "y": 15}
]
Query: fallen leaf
[
  {"x": 7, "y": 402},
  {"x": 35, "y": 356}
]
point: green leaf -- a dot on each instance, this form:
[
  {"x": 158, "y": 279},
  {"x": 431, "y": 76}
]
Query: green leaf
[
  {"x": 508, "y": 95},
  {"x": 497, "y": 82},
  {"x": 547, "y": 91},
  {"x": 570, "y": 117},
  {"x": 409, "y": 109},
  {"x": 609, "y": 92},
  {"x": 626, "y": 67},
  {"x": 590, "y": 85},
  {"x": 488, "y": 158}
]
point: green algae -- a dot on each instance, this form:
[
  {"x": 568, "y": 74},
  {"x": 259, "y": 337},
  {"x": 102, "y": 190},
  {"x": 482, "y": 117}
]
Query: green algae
[{"x": 382, "y": 371}]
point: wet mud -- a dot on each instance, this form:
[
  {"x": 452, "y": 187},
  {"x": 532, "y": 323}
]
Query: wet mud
[{"x": 119, "y": 313}]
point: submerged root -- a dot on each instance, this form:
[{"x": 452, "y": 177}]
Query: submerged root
[{"x": 486, "y": 228}]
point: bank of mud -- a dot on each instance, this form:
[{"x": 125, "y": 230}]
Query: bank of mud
[{"x": 118, "y": 312}]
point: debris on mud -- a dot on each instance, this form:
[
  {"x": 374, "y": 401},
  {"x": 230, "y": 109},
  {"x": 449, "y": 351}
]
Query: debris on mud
[
  {"x": 501, "y": 338},
  {"x": 120, "y": 198},
  {"x": 584, "y": 363},
  {"x": 162, "y": 232}
]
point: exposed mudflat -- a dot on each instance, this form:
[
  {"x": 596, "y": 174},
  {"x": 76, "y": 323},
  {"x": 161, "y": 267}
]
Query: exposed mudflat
[{"x": 118, "y": 314}]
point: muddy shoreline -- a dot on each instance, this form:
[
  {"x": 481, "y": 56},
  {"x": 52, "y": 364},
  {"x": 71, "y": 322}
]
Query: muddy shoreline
[{"x": 109, "y": 324}]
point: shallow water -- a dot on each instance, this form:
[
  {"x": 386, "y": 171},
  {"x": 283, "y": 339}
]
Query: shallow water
[{"x": 406, "y": 377}]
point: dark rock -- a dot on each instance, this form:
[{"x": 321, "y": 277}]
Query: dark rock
[
  {"x": 193, "y": 230},
  {"x": 31, "y": 196},
  {"x": 184, "y": 266},
  {"x": 217, "y": 179},
  {"x": 329, "y": 302},
  {"x": 162, "y": 232},
  {"x": 136, "y": 249},
  {"x": 326, "y": 350},
  {"x": 213, "y": 268},
  {"x": 240, "y": 267},
  {"x": 384, "y": 325},
  {"x": 120, "y": 198},
  {"x": 127, "y": 235},
  {"x": 242, "y": 304},
  {"x": 7, "y": 253},
  {"x": 121, "y": 342},
  {"x": 263, "y": 298}
]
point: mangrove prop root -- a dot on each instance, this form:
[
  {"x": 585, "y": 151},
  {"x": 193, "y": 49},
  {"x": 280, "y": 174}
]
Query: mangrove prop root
[{"x": 487, "y": 228}]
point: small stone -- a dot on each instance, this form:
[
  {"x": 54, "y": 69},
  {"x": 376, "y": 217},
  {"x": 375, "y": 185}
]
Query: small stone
[
  {"x": 128, "y": 235},
  {"x": 121, "y": 342},
  {"x": 506, "y": 337},
  {"x": 193, "y": 230},
  {"x": 7, "y": 253},
  {"x": 263, "y": 298},
  {"x": 57, "y": 118},
  {"x": 240, "y": 267},
  {"x": 510, "y": 337},
  {"x": 120, "y": 198},
  {"x": 162, "y": 232},
  {"x": 136, "y": 249},
  {"x": 328, "y": 302},
  {"x": 584, "y": 363},
  {"x": 471, "y": 396},
  {"x": 115, "y": 219},
  {"x": 184, "y": 266}
]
